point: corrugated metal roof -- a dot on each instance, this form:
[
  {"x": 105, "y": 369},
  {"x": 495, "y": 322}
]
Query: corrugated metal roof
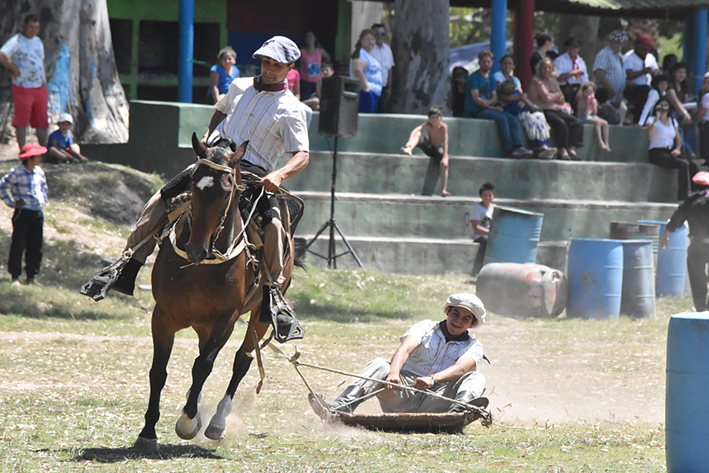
[{"x": 641, "y": 4}]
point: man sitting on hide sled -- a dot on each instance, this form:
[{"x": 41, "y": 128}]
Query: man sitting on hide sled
[
  {"x": 439, "y": 357},
  {"x": 273, "y": 121}
]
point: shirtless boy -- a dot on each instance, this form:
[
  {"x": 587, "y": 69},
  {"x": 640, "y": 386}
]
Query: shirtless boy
[{"x": 432, "y": 138}]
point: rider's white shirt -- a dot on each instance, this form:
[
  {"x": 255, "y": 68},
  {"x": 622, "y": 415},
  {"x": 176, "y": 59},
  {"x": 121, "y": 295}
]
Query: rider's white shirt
[{"x": 272, "y": 122}]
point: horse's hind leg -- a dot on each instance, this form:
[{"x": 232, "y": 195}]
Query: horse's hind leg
[
  {"x": 190, "y": 421},
  {"x": 242, "y": 362},
  {"x": 162, "y": 347}
]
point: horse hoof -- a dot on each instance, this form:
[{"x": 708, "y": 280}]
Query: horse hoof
[
  {"x": 144, "y": 445},
  {"x": 215, "y": 432},
  {"x": 187, "y": 428}
]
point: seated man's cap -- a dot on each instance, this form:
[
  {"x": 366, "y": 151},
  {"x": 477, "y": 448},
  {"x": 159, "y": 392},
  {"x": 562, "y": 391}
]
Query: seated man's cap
[
  {"x": 32, "y": 149},
  {"x": 280, "y": 49},
  {"x": 65, "y": 117},
  {"x": 467, "y": 301},
  {"x": 619, "y": 36},
  {"x": 701, "y": 178}
]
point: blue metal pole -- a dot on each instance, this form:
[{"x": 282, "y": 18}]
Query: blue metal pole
[
  {"x": 700, "y": 47},
  {"x": 499, "y": 32},
  {"x": 186, "y": 55}
]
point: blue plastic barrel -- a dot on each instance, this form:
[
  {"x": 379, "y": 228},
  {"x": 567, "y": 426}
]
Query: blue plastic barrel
[
  {"x": 686, "y": 401},
  {"x": 638, "y": 292},
  {"x": 672, "y": 262},
  {"x": 595, "y": 274},
  {"x": 514, "y": 236}
]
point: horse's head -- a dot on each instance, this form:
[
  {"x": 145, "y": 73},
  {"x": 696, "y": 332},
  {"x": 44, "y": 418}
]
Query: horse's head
[{"x": 214, "y": 183}]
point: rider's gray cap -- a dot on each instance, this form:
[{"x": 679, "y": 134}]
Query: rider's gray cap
[
  {"x": 280, "y": 49},
  {"x": 467, "y": 301}
]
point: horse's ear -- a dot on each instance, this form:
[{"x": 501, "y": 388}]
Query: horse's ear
[
  {"x": 242, "y": 150},
  {"x": 239, "y": 153},
  {"x": 198, "y": 146}
]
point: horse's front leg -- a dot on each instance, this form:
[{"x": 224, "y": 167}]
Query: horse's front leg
[
  {"x": 242, "y": 362},
  {"x": 189, "y": 423},
  {"x": 163, "y": 340}
]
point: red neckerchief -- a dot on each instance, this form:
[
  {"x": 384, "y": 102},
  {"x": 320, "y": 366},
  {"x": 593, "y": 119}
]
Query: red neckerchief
[{"x": 260, "y": 86}]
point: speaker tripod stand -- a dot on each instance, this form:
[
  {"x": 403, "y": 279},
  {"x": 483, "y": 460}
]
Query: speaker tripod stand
[{"x": 332, "y": 225}]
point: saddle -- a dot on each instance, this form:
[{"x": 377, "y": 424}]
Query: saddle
[{"x": 256, "y": 211}]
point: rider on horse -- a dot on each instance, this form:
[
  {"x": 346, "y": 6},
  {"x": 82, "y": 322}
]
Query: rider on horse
[{"x": 273, "y": 121}]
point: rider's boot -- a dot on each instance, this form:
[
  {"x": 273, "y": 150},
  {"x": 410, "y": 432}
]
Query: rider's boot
[
  {"x": 276, "y": 311},
  {"x": 126, "y": 281},
  {"x": 468, "y": 398}
]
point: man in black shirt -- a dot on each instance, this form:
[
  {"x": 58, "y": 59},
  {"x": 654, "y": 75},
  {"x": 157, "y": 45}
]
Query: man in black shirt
[{"x": 694, "y": 210}]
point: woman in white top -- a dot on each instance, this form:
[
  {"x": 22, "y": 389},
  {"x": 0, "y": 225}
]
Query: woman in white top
[
  {"x": 366, "y": 68},
  {"x": 659, "y": 89},
  {"x": 666, "y": 148}
]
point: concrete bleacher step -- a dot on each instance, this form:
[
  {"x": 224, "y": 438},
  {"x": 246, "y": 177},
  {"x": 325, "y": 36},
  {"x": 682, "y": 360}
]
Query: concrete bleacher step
[
  {"x": 513, "y": 179},
  {"x": 414, "y": 256},
  {"x": 397, "y": 216}
]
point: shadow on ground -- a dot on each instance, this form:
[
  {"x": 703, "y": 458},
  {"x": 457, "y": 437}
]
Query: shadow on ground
[{"x": 165, "y": 452}]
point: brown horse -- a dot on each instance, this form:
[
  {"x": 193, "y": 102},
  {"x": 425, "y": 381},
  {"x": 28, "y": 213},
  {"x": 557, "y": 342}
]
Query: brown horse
[{"x": 207, "y": 297}]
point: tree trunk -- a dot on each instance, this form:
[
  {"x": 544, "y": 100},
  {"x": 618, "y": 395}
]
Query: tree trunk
[
  {"x": 420, "y": 43},
  {"x": 584, "y": 27},
  {"x": 81, "y": 70}
]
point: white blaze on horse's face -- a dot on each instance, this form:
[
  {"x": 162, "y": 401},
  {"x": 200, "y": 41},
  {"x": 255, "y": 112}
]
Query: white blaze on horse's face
[{"x": 206, "y": 181}]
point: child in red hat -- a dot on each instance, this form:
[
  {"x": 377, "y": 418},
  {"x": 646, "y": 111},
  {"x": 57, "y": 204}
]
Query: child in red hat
[{"x": 25, "y": 189}]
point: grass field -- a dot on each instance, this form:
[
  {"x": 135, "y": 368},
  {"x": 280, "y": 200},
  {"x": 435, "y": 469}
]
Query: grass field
[{"x": 566, "y": 395}]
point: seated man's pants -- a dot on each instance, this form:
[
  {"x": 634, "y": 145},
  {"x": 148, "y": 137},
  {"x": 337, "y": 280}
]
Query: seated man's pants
[
  {"x": 508, "y": 126},
  {"x": 636, "y": 95},
  {"x": 410, "y": 401}
]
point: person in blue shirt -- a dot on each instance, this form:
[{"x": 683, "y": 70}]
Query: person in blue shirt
[
  {"x": 481, "y": 102},
  {"x": 25, "y": 189},
  {"x": 223, "y": 74},
  {"x": 61, "y": 147}
]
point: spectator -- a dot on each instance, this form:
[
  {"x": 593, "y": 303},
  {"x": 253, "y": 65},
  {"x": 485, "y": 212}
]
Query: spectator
[
  {"x": 23, "y": 54},
  {"x": 545, "y": 92},
  {"x": 366, "y": 68},
  {"x": 666, "y": 148},
  {"x": 545, "y": 44},
  {"x": 61, "y": 147},
  {"x": 588, "y": 113},
  {"x": 571, "y": 69},
  {"x": 223, "y": 74},
  {"x": 678, "y": 92},
  {"x": 693, "y": 210},
  {"x": 25, "y": 189},
  {"x": 432, "y": 138},
  {"x": 314, "y": 102},
  {"x": 659, "y": 90},
  {"x": 639, "y": 67},
  {"x": 702, "y": 117},
  {"x": 668, "y": 61},
  {"x": 382, "y": 53},
  {"x": 459, "y": 78},
  {"x": 515, "y": 101},
  {"x": 293, "y": 78},
  {"x": 481, "y": 219},
  {"x": 312, "y": 57},
  {"x": 481, "y": 102},
  {"x": 609, "y": 75}
]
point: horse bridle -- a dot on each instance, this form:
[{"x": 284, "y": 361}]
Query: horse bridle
[{"x": 234, "y": 188}]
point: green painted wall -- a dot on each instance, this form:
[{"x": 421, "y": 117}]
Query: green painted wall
[{"x": 205, "y": 11}]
